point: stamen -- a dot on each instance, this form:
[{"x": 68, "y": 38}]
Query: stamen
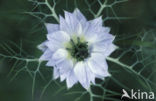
[
  {"x": 79, "y": 50},
  {"x": 72, "y": 42},
  {"x": 78, "y": 39}
]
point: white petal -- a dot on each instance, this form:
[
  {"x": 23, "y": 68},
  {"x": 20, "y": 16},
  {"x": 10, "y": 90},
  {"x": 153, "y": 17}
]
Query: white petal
[
  {"x": 64, "y": 26},
  {"x": 71, "y": 79},
  {"x": 59, "y": 56},
  {"x": 105, "y": 37},
  {"x": 81, "y": 74},
  {"x": 56, "y": 73},
  {"x": 79, "y": 29},
  {"x": 79, "y": 15},
  {"x": 63, "y": 77},
  {"x": 42, "y": 46},
  {"x": 54, "y": 45},
  {"x": 96, "y": 22},
  {"x": 46, "y": 55},
  {"x": 65, "y": 66},
  {"x": 71, "y": 20},
  {"x": 91, "y": 75},
  {"x": 69, "y": 24},
  {"x": 110, "y": 49},
  {"x": 59, "y": 36},
  {"x": 94, "y": 26},
  {"x": 61, "y": 61},
  {"x": 57, "y": 40},
  {"x": 66, "y": 75},
  {"x": 96, "y": 32},
  {"x": 105, "y": 48},
  {"x": 52, "y": 27},
  {"x": 82, "y": 20},
  {"x": 107, "y": 74},
  {"x": 105, "y": 29},
  {"x": 98, "y": 65},
  {"x": 50, "y": 63}
]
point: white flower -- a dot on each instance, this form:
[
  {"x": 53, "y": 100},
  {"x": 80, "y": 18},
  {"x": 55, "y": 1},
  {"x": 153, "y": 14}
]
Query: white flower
[{"x": 77, "y": 49}]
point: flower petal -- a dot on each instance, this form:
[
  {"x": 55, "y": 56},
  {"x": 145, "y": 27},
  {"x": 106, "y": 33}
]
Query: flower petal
[
  {"x": 63, "y": 77},
  {"x": 98, "y": 65},
  {"x": 64, "y": 26},
  {"x": 57, "y": 57},
  {"x": 59, "y": 36},
  {"x": 94, "y": 26},
  {"x": 82, "y": 74},
  {"x": 105, "y": 37},
  {"x": 96, "y": 22},
  {"x": 69, "y": 24},
  {"x": 79, "y": 15},
  {"x": 46, "y": 55},
  {"x": 105, "y": 48},
  {"x": 61, "y": 61},
  {"x": 71, "y": 20},
  {"x": 71, "y": 79},
  {"x": 52, "y": 27},
  {"x": 105, "y": 29},
  {"x": 91, "y": 75},
  {"x": 57, "y": 40},
  {"x": 42, "y": 46},
  {"x": 56, "y": 73}
]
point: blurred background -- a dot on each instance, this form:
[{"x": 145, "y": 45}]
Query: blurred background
[{"x": 23, "y": 78}]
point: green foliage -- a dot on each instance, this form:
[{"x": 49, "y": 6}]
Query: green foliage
[{"x": 132, "y": 65}]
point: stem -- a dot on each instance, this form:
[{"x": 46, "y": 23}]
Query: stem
[{"x": 52, "y": 10}]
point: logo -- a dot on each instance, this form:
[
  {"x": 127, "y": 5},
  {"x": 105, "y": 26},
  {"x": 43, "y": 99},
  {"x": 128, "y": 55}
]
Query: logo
[{"x": 137, "y": 94}]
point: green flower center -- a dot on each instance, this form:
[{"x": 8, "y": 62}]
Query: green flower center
[{"x": 78, "y": 49}]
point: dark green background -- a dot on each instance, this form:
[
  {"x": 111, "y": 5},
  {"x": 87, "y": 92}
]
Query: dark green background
[{"x": 20, "y": 33}]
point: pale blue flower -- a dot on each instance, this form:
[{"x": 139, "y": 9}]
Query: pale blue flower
[{"x": 77, "y": 49}]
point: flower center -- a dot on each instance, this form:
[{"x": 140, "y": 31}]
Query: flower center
[{"x": 78, "y": 49}]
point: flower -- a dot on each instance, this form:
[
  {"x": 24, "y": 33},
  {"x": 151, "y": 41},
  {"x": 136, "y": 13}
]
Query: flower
[{"x": 77, "y": 49}]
